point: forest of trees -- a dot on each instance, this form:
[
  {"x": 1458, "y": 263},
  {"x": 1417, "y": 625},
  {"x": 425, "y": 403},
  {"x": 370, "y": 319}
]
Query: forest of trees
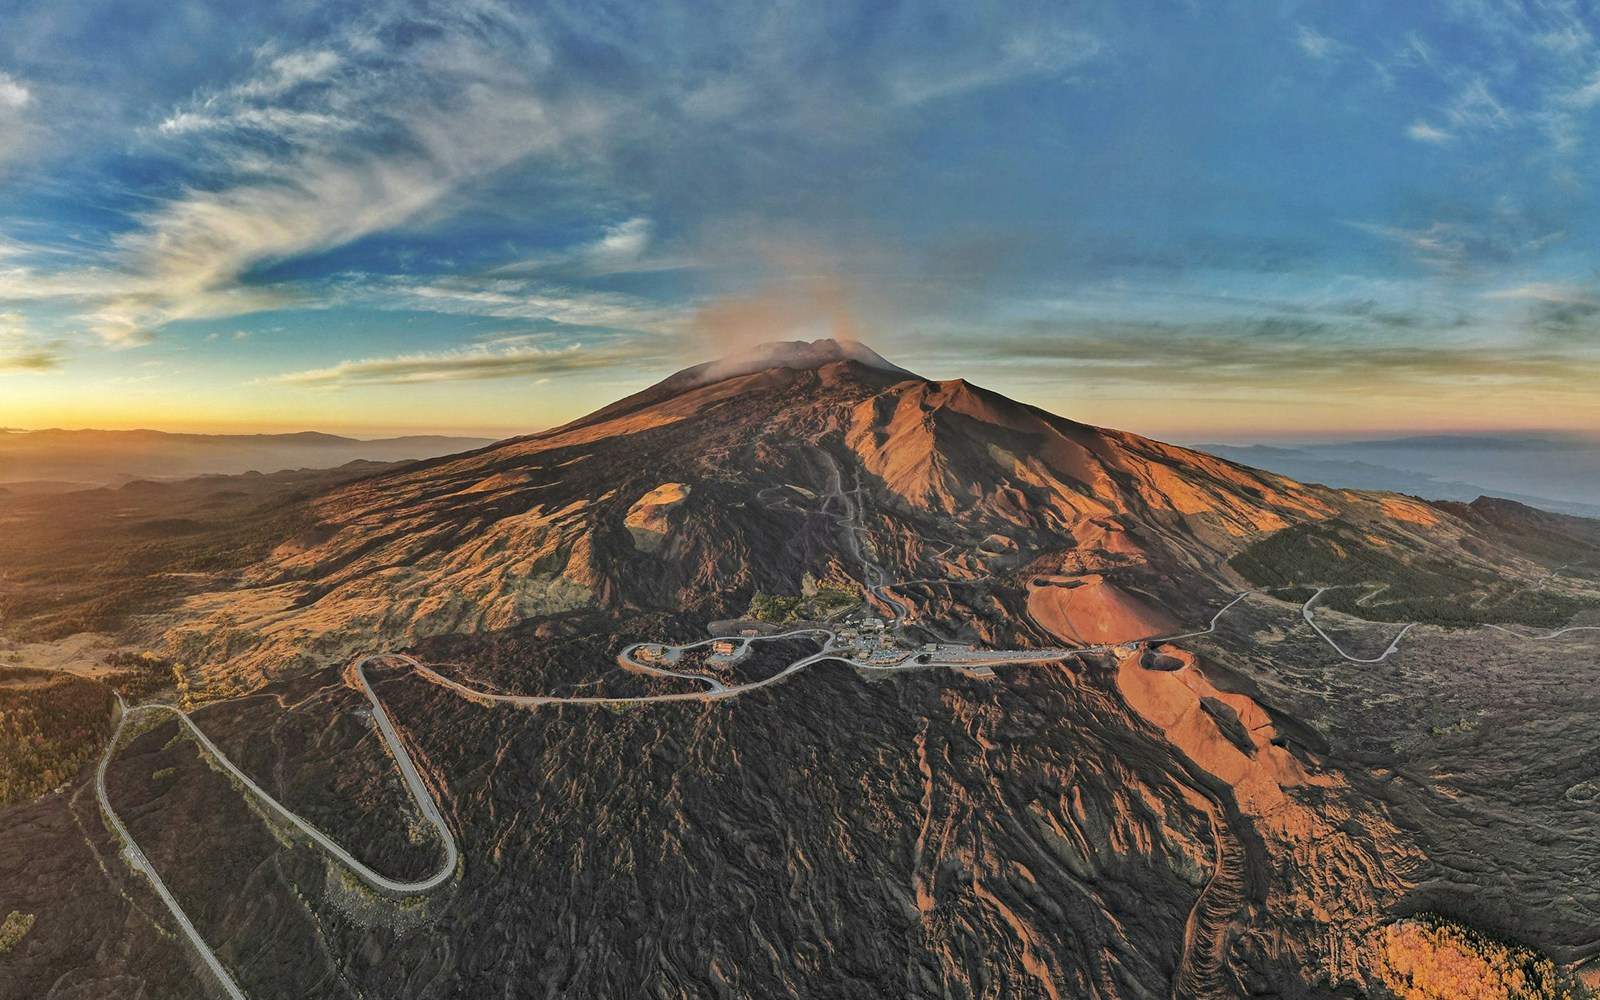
[
  {"x": 52, "y": 722},
  {"x": 50, "y": 726},
  {"x": 817, "y": 601},
  {"x": 1335, "y": 554},
  {"x": 140, "y": 675}
]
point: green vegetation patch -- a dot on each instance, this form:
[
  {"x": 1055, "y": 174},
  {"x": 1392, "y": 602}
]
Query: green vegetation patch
[
  {"x": 834, "y": 597},
  {"x": 817, "y": 601},
  {"x": 48, "y": 732},
  {"x": 140, "y": 675},
  {"x": 13, "y": 929},
  {"x": 775, "y": 608},
  {"x": 1421, "y": 587}
]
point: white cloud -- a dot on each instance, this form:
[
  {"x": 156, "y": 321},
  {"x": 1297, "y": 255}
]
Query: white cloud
[
  {"x": 1458, "y": 247},
  {"x": 514, "y": 298},
  {"x": 1423, "y": 132},
  {"x": 1315, "y": 44},
  {"x": 1554, "y": 292},
  {"x": 1568, "y": 40},
  {"x": 620, "y": 248},
  {"x": 14, "y": 94},
  {"x": 369, "y": 129},
  {"x": 625, "y": 240},
  {"x": 1036, "y": 51},
  {"x": 20, "y": 134},
  {"x": 1476, "y": 108},
  {"x": 283, "y": 123},
  {"x": 1585, "y": 96},
  {"x": 367, "y": 153},
  {"x": 291, "y": 70}
]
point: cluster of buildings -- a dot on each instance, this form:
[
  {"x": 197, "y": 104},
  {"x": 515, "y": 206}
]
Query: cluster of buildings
[
  {"x": 876, "y": 646},
  {"x": 873, "y": 644}
]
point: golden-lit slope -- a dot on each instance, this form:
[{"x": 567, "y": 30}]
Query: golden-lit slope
[{"x": 964, "y": 495}]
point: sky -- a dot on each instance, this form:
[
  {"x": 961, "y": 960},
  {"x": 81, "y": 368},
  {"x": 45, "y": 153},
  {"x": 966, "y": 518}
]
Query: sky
[{"x": 1207, "y": 220}]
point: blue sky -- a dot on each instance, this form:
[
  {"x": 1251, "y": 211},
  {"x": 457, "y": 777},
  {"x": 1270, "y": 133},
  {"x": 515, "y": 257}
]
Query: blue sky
[{"x": 1191, "y": 219}]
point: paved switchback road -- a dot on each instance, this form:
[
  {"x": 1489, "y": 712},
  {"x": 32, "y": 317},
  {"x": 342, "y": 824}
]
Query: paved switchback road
[{"x": 716, "y": 691}]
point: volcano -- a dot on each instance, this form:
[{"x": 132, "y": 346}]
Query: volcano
[
  {"x": 799, "y": 674},
  {"x": 1010, "y": 524}
]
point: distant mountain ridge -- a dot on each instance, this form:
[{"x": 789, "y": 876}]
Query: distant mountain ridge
[
  {"x": 1555, "y": 471},
  {"x": 56, "y": 459}
]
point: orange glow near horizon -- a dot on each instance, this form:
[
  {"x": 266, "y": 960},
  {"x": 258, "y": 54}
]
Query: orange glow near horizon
[{"x": 504, "y": 409}]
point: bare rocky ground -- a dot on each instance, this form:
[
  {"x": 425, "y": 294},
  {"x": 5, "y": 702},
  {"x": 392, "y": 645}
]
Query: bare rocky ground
[{"x": 1483, "y": 746}]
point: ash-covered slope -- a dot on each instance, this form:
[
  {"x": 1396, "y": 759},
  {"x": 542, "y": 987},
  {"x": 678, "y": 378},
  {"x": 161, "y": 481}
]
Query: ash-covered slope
[{"x": 998, "y": 519}]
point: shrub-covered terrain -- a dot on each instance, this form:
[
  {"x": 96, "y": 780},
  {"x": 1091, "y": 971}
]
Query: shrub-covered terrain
[
  {"x": 88, "y": 561},
  {"x": 50, "y": 726},
  {"x": 1422, "y": 587},
  {"x": 13, "y": 929}
]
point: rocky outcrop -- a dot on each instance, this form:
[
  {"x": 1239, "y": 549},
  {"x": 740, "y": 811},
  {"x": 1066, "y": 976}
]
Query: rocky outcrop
[{"x": 650, "y": 518}]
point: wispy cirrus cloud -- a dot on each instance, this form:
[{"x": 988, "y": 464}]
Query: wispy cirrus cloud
[
  {"x": 1274, "y": 355},
  {"x": 510, "y": 298},
  {"x": 20, "y": 352},
  {"x": 1558, "y": 309},
  {"x": 507, "y": 357},
  {"x": 1314, "y": 43},
  {"x": 622, "y": 247},
  {"x": 1459, "y": 247},
  {"x": 1476, "y": 107},
  {"x": 18, "y": 129},
  {"x": 394, "y": 119},
  {"x": 1423, "y": 132},
  {"x": 320, "y": 148},
  {"x": 1029, "y": 50},
  {"x": 1531, "y": 73},
  {"x": 1544, "y": 291}
]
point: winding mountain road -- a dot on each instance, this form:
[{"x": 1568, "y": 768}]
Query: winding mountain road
[
  {"x": 137, "y": 860},
  {"x": 428, "y": 806},
  {"x": 876, "y": 582},
  {"x": 408, "y": 770},
  {"x": 1549, "y": 635},
  {"x": 1305, "y": 612}
]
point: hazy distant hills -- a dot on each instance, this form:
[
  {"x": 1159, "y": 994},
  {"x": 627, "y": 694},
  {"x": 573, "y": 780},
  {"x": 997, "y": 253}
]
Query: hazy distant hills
[
  {"x": 58, "y": 460},
  {"x": 1557, "y": 472}
]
